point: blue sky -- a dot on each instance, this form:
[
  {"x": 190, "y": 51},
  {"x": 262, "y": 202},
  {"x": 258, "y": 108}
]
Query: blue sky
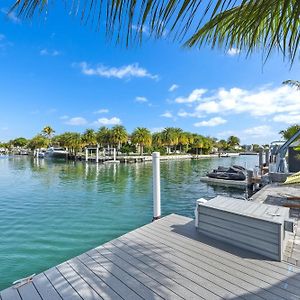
[{"x": 58, "y": 72}]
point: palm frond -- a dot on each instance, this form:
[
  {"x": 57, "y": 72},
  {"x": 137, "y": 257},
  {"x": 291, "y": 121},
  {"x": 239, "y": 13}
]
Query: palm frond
[
  {"x": 247, "y": 25},
  {"x": 293, "y": 83}
]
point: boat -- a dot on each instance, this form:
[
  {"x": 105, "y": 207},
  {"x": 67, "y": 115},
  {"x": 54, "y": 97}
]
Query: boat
[
  {"x": 224, "y": 155},
  {"x": 232, "y": 173},
  {"x": 56, "y": 152}
]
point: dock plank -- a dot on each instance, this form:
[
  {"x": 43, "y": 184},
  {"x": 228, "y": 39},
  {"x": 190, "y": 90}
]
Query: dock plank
[
  {"x": 77, "y": 282},
  {"x": 61, "y": 285},
  {"x": 166, "y": 259},
  {"x": 117, "y": 285},
  {"x": 10, "y": 294},
  {"x": 45, "y": 288},
  {"x": 123, "y": 276},
  {"x": 230, "y": 255},
  {"x": 95, "y": 282},
  {"x": 144, "y": 278},
  {"x": 28, "y": 291}
]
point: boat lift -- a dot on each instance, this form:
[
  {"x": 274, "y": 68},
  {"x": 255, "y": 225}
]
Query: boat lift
[{"x": 280, "y": 153}]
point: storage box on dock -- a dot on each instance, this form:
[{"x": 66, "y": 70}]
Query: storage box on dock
[{"x": 253, "y": 226}]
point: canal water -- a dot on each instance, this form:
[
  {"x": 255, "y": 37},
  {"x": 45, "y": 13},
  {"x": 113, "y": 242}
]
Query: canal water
[{"x": 52, "y": 211}]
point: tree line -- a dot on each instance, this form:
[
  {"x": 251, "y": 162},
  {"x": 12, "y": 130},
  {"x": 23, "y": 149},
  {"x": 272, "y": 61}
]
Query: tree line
[{"x": 141, "y": 141}]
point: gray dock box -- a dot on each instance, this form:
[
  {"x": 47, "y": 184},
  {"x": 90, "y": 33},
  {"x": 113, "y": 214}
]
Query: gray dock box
[{"x": 253, "y": 226}]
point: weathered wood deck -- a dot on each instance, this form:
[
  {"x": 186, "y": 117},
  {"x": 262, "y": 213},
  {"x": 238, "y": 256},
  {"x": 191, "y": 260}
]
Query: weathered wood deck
[{"x": 166, "y": 259}]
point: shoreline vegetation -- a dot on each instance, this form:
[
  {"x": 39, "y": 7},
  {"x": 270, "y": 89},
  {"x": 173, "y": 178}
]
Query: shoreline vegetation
[{"x": 141, "y": 142}]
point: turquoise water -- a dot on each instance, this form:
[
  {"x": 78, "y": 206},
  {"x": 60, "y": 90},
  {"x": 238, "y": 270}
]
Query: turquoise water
[{"x": 50, "y": 212}]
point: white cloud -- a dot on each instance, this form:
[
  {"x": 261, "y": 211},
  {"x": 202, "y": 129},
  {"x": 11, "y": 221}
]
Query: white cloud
[
  {"x": 141, "y": 99},
  {"x": 101, "y": 111},
  {"x": 167, "y": 114},
  {"x": 259, "y": 131},
  {"x": 128, "y": 71},
  {"x": 211, "y": 123},
  {"x": 106, "y": 121},
  {"x": 173, "y": 87},
  {"x": 265, "y": 101},
  {"x": 233, "y": 51},
  {"x": 76, "y": 121},
  {"x": 288, "y": 119},
  {"x": 196, "y": 95},
  {"x": 65, "y": 117},
  {"x": 46, "y": 52}
]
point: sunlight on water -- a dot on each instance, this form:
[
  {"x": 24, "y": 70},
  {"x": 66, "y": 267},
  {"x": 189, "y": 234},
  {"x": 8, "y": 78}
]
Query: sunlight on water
[{"x": 50, "y": 211}]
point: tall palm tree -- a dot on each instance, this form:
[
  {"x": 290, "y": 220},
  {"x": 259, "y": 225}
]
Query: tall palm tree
[
  {"x": 170, "y": 137},
  {"x": 233, "y": 141},
  {"x": 48, "y": 132},
  {"x": 183, "y": 140},
  {"x": 246, "y": 24},
  {"x": 118, "y": 135},
  {"x": 142, "y": 137},
  {"x": 103, "y": 136},
  {"x": 89, "y": 137}
]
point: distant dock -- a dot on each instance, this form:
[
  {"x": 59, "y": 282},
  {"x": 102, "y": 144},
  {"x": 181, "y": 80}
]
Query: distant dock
[{"x": 167, "y": 259}]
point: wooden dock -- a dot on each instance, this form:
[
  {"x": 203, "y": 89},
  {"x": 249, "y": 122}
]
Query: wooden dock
[{"x": 167, "y": 259}]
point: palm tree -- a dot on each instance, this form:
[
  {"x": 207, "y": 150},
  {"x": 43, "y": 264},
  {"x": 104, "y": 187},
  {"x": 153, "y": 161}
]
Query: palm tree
[
  {"x": 89, "y": 137},
  {"x": 233, "y": 141},
  {"x": 37, "y": 142},
  {"x": 157, "y": 139},
  {"x": 184, "y": 140},
  {"x": 293, "y": 83},
  {"x": 103, "y": 136},
  {"x": 142, "y": 137},
  {"x": 118, "y": 136},
  {"x": 290, "y": 131},
  {"x": 245, "y": 25},
  {"x": 170, "y": 137},
  {"x": 48, "y": 132}
]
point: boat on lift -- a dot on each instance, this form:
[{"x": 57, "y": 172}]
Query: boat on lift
[
  {"x": 228, "y": 173},
  {"x": 56, "y": 152}
]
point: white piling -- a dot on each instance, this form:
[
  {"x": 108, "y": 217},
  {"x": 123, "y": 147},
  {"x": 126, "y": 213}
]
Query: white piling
[
  {"x": 97, "y": 154},
  {"x": 156, "y": 185},
  {"x": 115, "y": 154},
  {"x": 86, "y": 155},
  {"x": 37, "y": 152}
]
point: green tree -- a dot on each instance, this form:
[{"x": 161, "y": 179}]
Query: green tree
[
  {"x": 48, "y": 132},
  {"x": 19, "y": 142},
  {"x": 103, "y": 136},
  {"x": 142, "y": 137},
  {"x": 246, "y": 25},
  {"x": 89, "y": 137},
  {"x": 233, "y": 141},
  {"x": 290, "y": 131},
  {"x": 37, "y": 142},
  {"x": 170, "y": 136},
  {"x": 118, "y": 136}
]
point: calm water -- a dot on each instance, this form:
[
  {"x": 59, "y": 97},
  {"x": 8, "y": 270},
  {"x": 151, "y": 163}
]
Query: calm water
[{"x": 50, "y": 212}]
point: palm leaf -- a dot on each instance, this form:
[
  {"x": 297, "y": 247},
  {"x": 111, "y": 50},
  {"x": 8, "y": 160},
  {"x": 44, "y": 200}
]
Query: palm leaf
[{"x": 247, "y": 25}]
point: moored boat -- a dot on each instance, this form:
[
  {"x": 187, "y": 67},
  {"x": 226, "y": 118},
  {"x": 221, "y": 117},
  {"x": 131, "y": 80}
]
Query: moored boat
[
  {"x": 232, "y": 173},
  {"x": 54, "y": 152}
]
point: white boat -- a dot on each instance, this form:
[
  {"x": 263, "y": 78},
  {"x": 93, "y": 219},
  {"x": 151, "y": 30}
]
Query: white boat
[
  {"x": 56, "y": 152},
  {"x": 224, "y": 155}
]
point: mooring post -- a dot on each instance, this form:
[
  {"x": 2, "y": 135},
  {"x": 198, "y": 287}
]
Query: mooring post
[
  {"x": 97, "y": 154},
  {"x": 86, "y": 154},
  {"x": 156, "y": 185},
  {"x": 260, "y": 159},
  {"x": 267, "y": 157},
  {"x": 114, "y": 154}
]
